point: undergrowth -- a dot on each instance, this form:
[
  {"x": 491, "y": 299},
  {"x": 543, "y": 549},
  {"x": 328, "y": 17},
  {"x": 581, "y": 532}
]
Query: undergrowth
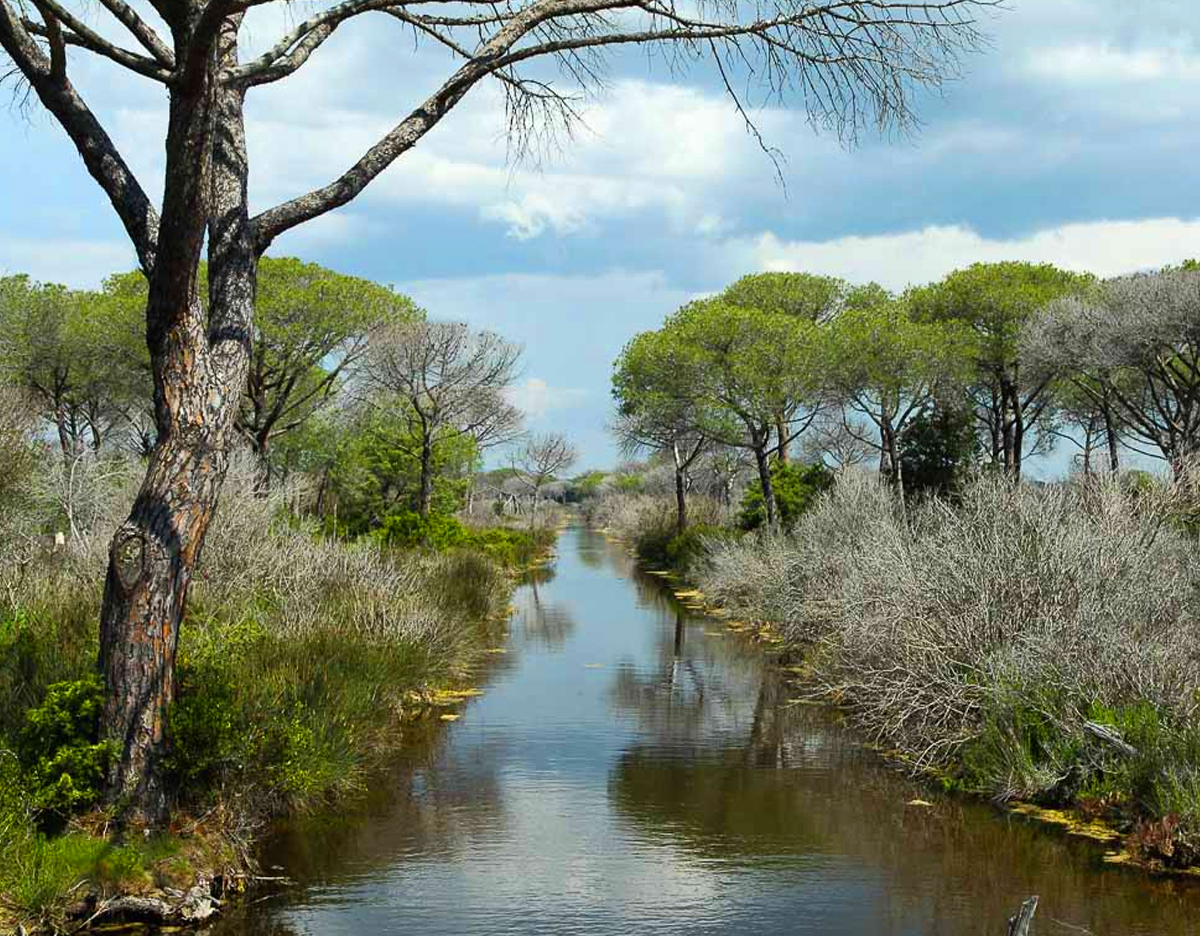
[{"x": 300, "y": 661}]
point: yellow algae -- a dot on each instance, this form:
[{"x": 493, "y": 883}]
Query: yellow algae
[
  {"x": 660, "y": 573},
  {"x": 450, "y": 716},
  {"x": 1070, "y": 823},
  {"x": 496, "y": 650},
  {"x": 693, "y": 593},
  {"x": 919, "y": 802},
  {"x": 709, "y": 633},
  {"x": 443, "y": 697}
]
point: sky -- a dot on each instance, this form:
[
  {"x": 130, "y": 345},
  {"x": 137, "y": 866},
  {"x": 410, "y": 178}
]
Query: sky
[{"x": 1072, "y": 139}]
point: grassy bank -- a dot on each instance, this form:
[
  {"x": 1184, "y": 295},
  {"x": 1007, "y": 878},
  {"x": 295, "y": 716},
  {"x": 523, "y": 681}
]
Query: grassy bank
[
  {"x": 1026, "y": 643},
  {"x": 300, "y": 662},
  {"x": 1037, "y": 644},
  {"x": 649, "y": 524}
]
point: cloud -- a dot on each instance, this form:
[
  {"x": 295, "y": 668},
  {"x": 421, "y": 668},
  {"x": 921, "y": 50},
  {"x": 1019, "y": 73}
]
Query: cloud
[
  {"x": 77, "y": 263},
  {"x": 536, "y": 398},
  {"x": 1107, "y": 248},
  {"x": 1103, "y": 62}
]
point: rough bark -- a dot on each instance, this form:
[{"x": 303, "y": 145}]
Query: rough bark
[
  {"x": 199, "y": 367},
  {"x": 768, "y": 489},
  {"x": 425, "y": 498}
]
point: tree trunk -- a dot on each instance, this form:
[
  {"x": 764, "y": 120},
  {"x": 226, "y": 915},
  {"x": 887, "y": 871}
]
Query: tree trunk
[
  {"x": 680, "y": 501},
  {"x": 781, "y": 428},
  {"x": 262, "y": 453},
  {"x": 1018, "y": 432},
  {"x": 64, "y": 437},
  {"x": 200, "y": 370},
  {"x": 768, "y": 489},
  {"x": 1110, "y": 437},
  {"x": 425, "y": 501},
  {"x": 680, "y": 492}
]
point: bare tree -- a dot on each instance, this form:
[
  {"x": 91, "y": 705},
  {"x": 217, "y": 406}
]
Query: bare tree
[
  {"x": 1134, "y": 348},
  {"x": 851, "y": 63},
  {"x": 685, "y": 446},
  {"x": 442, "y": 381},
  {"x": 833, "y": 441},
  {"x": 540, "y": 460}
]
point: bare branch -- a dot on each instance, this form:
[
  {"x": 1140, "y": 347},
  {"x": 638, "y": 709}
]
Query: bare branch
[
  {"x": 142, "y": 31},
  {"x": 99, "y": 153},
  {"x": 852, "y": 62},
  {"x": 82, "y": 36}
]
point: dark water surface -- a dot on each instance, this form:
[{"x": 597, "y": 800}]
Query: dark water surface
[{"x": 633, "y": 769}]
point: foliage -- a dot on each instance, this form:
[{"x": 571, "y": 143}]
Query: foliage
[
  {"x": 938, "y": 452},
  {"x": 796, "y": 488},
  {"x": 800, "y": 295},
  {"x": 311, "y": 328},
  {"x": 375, "y": 473},
  {"x": 19, "y": 461},
  {"x": 749, "y": 365},
  {"x": 888, "y": 368},
  {"x": 80, "y": 355},
  {"x": 585, "y": 486},
  {"x": 408, "y": 529},
  {"x": 59, "y": 748},
  {"x": 997, "y": 301},
  {"x": 442, "y": 385}
]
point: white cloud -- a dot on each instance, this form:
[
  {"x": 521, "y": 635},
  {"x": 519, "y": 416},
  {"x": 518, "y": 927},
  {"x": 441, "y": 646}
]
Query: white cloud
[
  {"x": 77, "y": 263},
  {"x": 1107, "y": 248},
  {"x": 1097, "y": 62},
  {"x": 536, "y": 398},
  {"x": 645, "y": 147}
]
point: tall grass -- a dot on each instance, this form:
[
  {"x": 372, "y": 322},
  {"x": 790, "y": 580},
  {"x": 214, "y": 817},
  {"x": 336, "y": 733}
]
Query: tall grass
[
  {"x": 299, "y": 662},
  {"x": 982, "y": 638},
  {"x": 649, "y": 524}
]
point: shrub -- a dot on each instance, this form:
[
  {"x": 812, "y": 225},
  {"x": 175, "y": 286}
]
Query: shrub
[
  {"x": 408, "y": 529},
  {"x": 59, "y": 750},
  {"x": 796, "y": 487},
  {"x": 979, "y": 638},
  {"x": 938, "y": 451}
]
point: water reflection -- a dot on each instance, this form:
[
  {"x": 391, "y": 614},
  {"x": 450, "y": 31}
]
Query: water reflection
[
  {"x": 543, "y": 623},
  {"x": 636, "y": 769}
]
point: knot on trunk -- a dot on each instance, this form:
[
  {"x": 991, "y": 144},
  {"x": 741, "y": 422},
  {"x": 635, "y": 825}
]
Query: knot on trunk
[{"x": 129, "y": 558}]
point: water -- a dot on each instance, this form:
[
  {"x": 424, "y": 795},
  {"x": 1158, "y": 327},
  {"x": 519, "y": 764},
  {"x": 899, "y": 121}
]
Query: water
[{"x": 634, "y": 769}]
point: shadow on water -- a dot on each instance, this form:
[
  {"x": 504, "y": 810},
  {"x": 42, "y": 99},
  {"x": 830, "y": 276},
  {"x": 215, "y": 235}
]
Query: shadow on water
[{"x": 638, "y": 769}]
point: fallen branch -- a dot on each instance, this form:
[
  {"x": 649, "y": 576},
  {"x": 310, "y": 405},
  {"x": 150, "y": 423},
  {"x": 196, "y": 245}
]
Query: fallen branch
[{"x": 1019, "y": 925}]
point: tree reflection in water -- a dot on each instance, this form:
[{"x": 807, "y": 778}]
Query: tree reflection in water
[{"x": 544, "y": 624}]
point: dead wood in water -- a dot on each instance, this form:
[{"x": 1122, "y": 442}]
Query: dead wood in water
[{"x": 1019, "y": 925}]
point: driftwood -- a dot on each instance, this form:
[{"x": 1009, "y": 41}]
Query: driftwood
[
  {"x": 1019, "y": 925},
  {"x": 1109, "y": 735},
  {"x": 196, "y": 906}
]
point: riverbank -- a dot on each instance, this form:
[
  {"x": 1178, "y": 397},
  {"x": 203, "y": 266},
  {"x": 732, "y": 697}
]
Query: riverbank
[
  {"x": 1033, "y": 646},
  {"x": 643, "y": 768},
  {"x": 303, "y": 664}
]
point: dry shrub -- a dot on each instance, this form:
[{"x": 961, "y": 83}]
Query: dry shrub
[
  {"x": 1021, "y": 612},
  {"x": 258, "y": 560}
]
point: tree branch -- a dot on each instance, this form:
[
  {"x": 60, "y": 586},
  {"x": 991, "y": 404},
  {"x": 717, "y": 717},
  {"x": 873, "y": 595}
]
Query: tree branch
[
  {"x": 142, "y": 31},
  {"x": 99, "y": 154},
  {"x": 82, "y": 36}
]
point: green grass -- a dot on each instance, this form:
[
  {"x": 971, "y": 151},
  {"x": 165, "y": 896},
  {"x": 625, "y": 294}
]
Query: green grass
[{"x": 273, "y": 714}]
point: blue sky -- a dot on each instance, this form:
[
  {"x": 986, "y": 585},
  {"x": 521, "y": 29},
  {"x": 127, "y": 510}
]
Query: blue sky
[{"x": 1072, "y": 140}]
